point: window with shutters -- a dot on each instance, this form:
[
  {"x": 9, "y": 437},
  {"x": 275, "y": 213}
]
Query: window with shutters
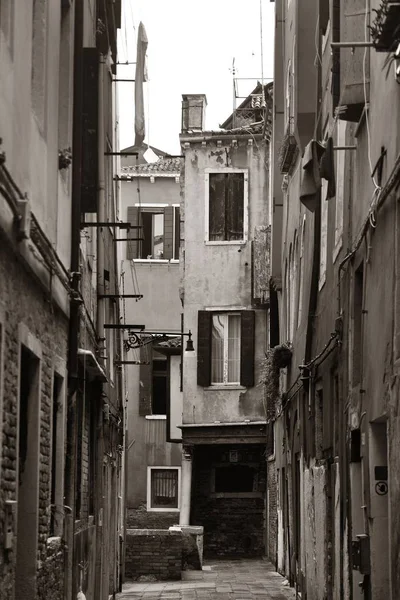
[
  {"x": 226, "y": 206},
  {"x": 225, "y": 343},
  {"x": 163, "y": 488},
  {"x": 158, "y": 236},
  {"x": 225, "y": 348}
]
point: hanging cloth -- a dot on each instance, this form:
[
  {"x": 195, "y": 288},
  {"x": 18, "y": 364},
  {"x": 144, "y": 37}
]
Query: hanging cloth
[
  {"x": 327, "y": 169},
  {"x": 311, "y": 179}
]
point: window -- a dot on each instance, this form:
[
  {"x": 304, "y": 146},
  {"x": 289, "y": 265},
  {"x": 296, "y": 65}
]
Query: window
[
  {"x": 153, "y": 235},
  {"x": 163, "y": 488},
  {"x": 158, "y": 236},
  {"x": 226, "y": 206},
  {"x": 159, "y": 395},
  {"x": 225, "y": 346}
]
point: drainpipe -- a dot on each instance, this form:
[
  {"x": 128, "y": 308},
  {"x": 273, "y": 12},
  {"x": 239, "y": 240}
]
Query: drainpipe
[{"x": 74, "y": 319}]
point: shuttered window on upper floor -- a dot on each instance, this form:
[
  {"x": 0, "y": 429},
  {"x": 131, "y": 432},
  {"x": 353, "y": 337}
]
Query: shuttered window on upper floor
[
  {"x": 225, "y": 353},
  {"x": 226, "y": 206},
  {"x": 158, "y": 235}
]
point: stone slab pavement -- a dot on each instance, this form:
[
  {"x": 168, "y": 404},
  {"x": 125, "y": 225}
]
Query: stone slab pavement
[{"x": 247, "y": 579}]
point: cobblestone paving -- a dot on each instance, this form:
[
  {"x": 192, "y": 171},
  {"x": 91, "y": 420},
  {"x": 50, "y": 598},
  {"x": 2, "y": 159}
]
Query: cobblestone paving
[{"x": 219, "y": 580}]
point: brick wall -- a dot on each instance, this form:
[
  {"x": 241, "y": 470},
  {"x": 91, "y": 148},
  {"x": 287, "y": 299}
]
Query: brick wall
[
  {"x": 153, "y": 552},
  {"x": 272, "y": 525},
  {"x": 233, "y": 524},
  {"x": 23, "y": 300},
  {"x": 139, "y": 518}
]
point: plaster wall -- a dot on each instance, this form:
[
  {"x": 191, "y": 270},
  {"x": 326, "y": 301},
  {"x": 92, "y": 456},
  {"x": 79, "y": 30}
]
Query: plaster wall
[
  {"x": 147, "y": 443},
  {"x": 219, "y": 276},
  {"x": 162, "y": 190},
  {"x": 30, "y": 138}
]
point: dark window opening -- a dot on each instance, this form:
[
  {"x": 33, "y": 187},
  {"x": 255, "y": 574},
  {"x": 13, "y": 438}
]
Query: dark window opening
[
  {"x": 238, "y": 478},
  {"x": 57, "y": 386},
  {"x": 226, "y": 206},
  {"x": 164, "y": 488},
  {"x": 159, "y": 395}
]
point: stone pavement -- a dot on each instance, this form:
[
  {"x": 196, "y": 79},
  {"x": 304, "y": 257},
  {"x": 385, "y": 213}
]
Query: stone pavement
[{"x": 248, "y": 579}]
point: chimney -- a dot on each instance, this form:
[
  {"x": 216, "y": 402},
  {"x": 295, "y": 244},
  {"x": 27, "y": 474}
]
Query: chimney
[{"x": 193, "y": 112}]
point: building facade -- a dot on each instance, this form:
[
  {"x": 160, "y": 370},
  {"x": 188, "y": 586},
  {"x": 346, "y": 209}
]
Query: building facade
[
  {"x": 332, "y": 469},
  {"x": 225, "y": 248},
  {"x": 62, "y": 413},
  {"x": 150, "y": 201}
]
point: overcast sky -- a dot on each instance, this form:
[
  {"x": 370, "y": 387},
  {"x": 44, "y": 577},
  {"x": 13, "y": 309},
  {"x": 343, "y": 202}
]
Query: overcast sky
[{"x": 191, "y": 48}]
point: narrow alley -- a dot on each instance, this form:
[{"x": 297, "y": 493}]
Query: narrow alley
[{"x": 245, "y": 579}]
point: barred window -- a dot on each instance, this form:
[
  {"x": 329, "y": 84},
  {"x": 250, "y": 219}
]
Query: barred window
[{"x": 163, "y": 488}]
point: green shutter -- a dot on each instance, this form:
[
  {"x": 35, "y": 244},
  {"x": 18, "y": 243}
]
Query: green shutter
[
  {"x": 133, "y": 219},
  {"x": 169, "y": 232},
  {"x": 177, "y": 240},
  {"x": 247, "y": 336},
  {"x": 204, "y": 348}
]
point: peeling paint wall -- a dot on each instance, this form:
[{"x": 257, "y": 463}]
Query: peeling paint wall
[{"x": 220, "y": 276}]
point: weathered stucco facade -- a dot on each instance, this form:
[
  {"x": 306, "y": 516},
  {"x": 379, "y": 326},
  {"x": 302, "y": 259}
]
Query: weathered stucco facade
[
  {"x": 61, "y": 441},
  {"x": 335, "y": 282},
  {"x": 150, "y": 199},
  {"x": 224, "y": 285}
]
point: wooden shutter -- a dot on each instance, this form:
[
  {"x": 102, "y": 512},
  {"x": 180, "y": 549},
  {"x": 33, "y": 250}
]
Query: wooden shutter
[
  {"x": 90, "y": 140},
  {"x": 234, "y": 208},
  {"x": 145, "y": 383},
  {"x": 132, "y": 247},
  {"x": 177, "y": 239},
  {"x": 247, "y": 348},
  {"x": 204, "y": 348},
  {"x": 216, "y": 206},
  {"x": 169, "y": 232}
]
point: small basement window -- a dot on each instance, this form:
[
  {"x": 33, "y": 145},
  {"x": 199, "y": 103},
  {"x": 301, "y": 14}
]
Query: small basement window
[
  {"x": 231, "y": 479},
  {"x": 163, "y": 488}
]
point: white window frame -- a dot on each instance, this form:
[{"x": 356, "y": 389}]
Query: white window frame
[
  {"x": 225, "y": 382},
  {"x": 207, "y": 173},
  {"x": 156, "y": 509}
]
